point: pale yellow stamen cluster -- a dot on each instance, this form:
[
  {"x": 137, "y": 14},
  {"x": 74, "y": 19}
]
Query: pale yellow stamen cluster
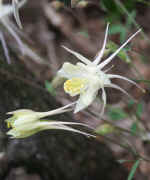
[
  {"x": 75, "y": 86},
  {"x": 9, "y": 125}
]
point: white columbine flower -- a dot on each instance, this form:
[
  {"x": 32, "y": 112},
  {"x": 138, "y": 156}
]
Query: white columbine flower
[
  {"x": 25, "y": 122},
  {"x": 86, "y": 78}
]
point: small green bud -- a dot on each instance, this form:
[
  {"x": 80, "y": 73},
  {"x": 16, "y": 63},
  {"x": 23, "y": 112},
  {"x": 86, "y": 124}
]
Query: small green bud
[{"x": 106, "y": 129}]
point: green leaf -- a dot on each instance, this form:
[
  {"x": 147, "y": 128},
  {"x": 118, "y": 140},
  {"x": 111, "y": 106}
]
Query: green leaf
[
  {"x": 116, "y": 28},
  {"x": 142, "y": 80},
  {"x": 117, "y": 114},
  {"x": 121, "y": 161},
  {"x": 134, "y": 128},
  {"x": 122, "y": 54},
  {"x": 119, "y": 28},
  {"x": 105, "y": 129},
  {"x": 133, "y": 170},
  {"x": 110, "y": 6},
  {"x": 139, "y": 109},
  {"x": 50, "y": 88},
  {"x": 144, "y": 2},
  {"x": 66, "y": 2},
  {"x": 130, "y": 19},
  {"x": 84, "y": 33},
  {"x": 131, "y": 104}
]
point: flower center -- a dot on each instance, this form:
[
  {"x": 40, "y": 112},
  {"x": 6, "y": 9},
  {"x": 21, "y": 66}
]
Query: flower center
[
  {"x": 9, "y": 124},
  {"x": 75, "y": 86}
]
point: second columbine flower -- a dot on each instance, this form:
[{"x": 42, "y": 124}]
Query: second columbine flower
[{"x": 25, "y": 122}]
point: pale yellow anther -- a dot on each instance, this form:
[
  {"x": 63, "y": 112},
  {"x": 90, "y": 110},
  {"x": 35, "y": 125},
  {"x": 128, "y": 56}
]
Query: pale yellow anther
[
  {"x": 8, "y": 124},
  {"x": 75, "y": 86}
]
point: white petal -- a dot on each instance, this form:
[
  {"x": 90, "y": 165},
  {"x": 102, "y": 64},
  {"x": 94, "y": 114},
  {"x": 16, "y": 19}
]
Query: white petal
[
  {"x": 15, "y": 5},
  {"x": 100, "y": 54},
  {"x": 69, "y": 71},
  {"x": 126, "y": 79},
  {"x": 104, "y": 101},
  {"x": 13, "y": 133},
  {"x": 117, "y": 51},
  {"x": 5, "y": 10},
  {"x": 79, "y": 56},
  {"x": 63, "y": 127},
  {"x": 86, "y": 98},
  {"x": 56, "y": 111},
  {"x": 117, "y": 87},
  {"x": 21, "y": 121},
  {"x": 51, "y": 122}
]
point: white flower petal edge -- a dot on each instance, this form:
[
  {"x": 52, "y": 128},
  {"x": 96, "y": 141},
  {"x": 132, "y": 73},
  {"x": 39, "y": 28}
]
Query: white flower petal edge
[
  {"x": 86, "y": 98},
  {"x": 86, "y": 78},
  {"x": 69, "y": 70}
]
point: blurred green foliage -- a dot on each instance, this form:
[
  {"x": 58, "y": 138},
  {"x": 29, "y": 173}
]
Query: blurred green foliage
[
  {"x": 50, "y": 88},
  {"x": 139, "y": 110},
  {"x": 106, "y": 128},
  {"x": 66, "y": 2},
  {"x": 133, "y": 169},
  {"x": 114, "y": 12},
  {"x": 134, "y": 128},
  {"x": 117, "y": 114},
  {"x": 112, "y": 47}
]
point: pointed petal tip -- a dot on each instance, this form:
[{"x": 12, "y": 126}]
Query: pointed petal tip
[
  {"x": 108, "y": 24},
  {"x": 12, "y": 112},
  {"x": 78, "y": 55},
  {"x": 66, "y": 48},
  {"x": 100, "y": 54},
  {"x": 63, "y": 46},
  {"x": 143, "y": 90}
]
